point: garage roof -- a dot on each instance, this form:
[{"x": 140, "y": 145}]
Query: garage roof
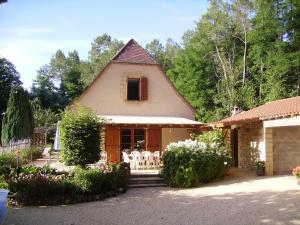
[{"x": 271, "y": 110}]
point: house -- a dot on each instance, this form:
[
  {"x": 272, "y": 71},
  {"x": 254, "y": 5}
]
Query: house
[
  {"x": 139, "y": 102},
  {"x": 270, "y": 132}
]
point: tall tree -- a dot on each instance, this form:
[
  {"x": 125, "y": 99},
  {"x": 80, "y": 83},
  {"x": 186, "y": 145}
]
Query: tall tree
[
  {"x": 103, "y": 48},
  {"x": 9, "y": 77},
  {"x": 59, "y": 82},
  {"x": 17, "y": 123},
  {"x": 45, "y": 91}
]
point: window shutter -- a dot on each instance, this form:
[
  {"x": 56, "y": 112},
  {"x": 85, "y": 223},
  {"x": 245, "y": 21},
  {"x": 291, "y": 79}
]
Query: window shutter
[{"x": 144, "y": 88}]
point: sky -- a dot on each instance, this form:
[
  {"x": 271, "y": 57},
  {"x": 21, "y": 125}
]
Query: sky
[{"x": 31, "y": 31}]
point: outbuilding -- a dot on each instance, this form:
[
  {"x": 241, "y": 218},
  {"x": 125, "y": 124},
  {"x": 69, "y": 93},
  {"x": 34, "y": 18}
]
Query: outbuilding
[{"x": 270, "y": 132}]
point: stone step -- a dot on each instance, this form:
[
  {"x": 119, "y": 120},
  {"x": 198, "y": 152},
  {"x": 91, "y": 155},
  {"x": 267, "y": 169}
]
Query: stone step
[
  {"x": 146, "y": 180},
  {"x": 147, "y": 185},
  {"x": 143, "y": 175}
]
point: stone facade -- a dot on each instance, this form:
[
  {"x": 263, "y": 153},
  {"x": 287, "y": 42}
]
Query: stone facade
[
  {"x": 286, "y": 149},
  {"x": 269, "y": 151},
  {"x": 278, "y": 146},
  {"x": 250, "y": 144}
]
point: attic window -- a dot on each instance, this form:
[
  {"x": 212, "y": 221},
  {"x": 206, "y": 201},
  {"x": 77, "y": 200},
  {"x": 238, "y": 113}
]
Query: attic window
[
  {"x": 133, "y": 89},
  {"x": 137, "y": 89}
]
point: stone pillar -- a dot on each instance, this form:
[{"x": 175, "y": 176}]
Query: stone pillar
[{"x": 268, "y": 136}]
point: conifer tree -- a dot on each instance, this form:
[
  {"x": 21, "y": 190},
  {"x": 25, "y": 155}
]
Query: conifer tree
[{"x": 17, "y": 123}]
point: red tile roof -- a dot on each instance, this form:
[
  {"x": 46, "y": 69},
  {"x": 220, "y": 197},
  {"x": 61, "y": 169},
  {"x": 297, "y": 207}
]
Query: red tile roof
[
  {"x": 270, "y": 110},
  {"x": 132, "y": 52}
]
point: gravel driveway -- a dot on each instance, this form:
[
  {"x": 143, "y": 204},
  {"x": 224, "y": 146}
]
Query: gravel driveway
[{"x": 238, "y": 199}]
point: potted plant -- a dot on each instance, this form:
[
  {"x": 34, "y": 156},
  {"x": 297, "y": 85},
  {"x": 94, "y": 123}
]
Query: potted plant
[
  {"x": 260, "y": 167},
  {"x": 296, "y": 172}
]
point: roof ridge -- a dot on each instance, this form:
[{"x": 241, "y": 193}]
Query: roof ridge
[
  {"x": 121, "y": 49},
  {"x": 282, "y": 99},
  {"x": 149, "y": 58}
]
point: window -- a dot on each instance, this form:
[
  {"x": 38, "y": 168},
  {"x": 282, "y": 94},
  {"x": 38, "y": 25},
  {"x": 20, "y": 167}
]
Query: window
[
  {"x": 133, "y": 89},
  {"x": 132, "y": 138},
  {"x": 137, "y": 89}
]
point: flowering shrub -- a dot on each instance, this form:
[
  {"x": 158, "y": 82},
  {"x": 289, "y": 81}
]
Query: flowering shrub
[
  {"x": 296, "y": 172},
  {"x": 188, "y": 163},
  {"x": 41, "y": 184}
]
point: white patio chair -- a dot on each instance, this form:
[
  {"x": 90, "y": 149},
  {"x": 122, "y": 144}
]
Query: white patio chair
[
  {"x": 136, "y": 157},
  {"x": 126, "y": 159},
  {"x": 148, "y": 159},
  {"x": 156, "y": 156}
]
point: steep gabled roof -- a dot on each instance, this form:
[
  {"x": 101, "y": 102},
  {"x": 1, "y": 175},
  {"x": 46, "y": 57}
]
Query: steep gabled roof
[
  {"x": 132, "y": 52},
  {"x": 271, "y": 110}
]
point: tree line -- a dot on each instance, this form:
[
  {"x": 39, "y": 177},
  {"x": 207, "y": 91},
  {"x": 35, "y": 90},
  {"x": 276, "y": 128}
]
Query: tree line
[{"x": 242, "y": 52}]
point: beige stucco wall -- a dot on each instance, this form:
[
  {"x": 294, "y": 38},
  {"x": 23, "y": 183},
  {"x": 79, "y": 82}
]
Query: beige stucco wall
[
  {"x": 107, "y": 95},
  {"x": 286, "y": 149},
  {"x": 173, "y": 135}
]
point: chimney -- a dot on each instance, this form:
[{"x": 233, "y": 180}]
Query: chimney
[{"x": 236, "y": 110}]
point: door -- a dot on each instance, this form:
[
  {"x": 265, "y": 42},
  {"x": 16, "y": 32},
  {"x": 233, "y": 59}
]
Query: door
[
  {"x": 153, "y": 139},
  {"x": 132, "y": 138},
  {"x": 235, "y": 146},
  {"x": 112, "y": 144}
]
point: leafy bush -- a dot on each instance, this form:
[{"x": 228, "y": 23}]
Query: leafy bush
[
  {"x": 25, "y": 154},
  {"x": 80, "y": 136},
  {"x": 7, "y": 160},
  {"x": 40, "y": 186},
  {"x": 3, "y": 184},
  {"x": 117, "y": 177},
  {"x": 186, "y": 164},
  {"x": 96, "y": 181},
  {"x": 34, "y": 184},
  {"x": 88, "y": 181}
]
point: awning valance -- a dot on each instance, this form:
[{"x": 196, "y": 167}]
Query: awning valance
[{"x": 163, "y": 121}]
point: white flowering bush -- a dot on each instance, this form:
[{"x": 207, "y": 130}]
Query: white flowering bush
[
  {"x": 190, "y": 162},
  {"x": 189, "y": 144}
]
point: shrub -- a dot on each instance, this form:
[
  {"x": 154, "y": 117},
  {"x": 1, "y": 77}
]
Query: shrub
[
  {"x": 34, "y": 185},
  {"x": 189, "y": 163},
  {"x": 117, "y": 178},
  {"x": 9, "y": 168},
  {"x": 88, "y": 181},
  {"x": 25, "y": 154},
  {"x": 3, "y": 184},
  {"x": 39, "y": 186},
  {"x": 96, "y": 181},
  {"x": 80, "y": 137},
  {"x": 7, "y": 160},
  {"x": 17, "y": 123}
]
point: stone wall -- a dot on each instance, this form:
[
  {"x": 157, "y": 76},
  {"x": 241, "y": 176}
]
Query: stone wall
[
  {"x": 286, "y": 149},
  {"x": 250, "y": 144}
]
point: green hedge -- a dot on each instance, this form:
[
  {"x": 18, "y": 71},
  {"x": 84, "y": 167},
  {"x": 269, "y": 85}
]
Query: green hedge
[
  {"x": 80, "y": 136},
  {"x": 189, "y": 163},
  {"x": 36, "y": 186}
]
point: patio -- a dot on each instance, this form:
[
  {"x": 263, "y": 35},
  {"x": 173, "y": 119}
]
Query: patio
[{"x": 241, "y": 198}]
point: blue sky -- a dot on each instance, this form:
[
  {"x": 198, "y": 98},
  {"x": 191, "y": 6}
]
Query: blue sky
[{"x": 32, "y": 30}]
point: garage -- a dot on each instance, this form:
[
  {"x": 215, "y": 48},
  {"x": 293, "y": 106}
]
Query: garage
[{"x": 270, "y": 132}]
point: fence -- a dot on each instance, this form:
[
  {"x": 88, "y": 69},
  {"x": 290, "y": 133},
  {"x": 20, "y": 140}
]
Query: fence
[{"x": 17, "y": 145}]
